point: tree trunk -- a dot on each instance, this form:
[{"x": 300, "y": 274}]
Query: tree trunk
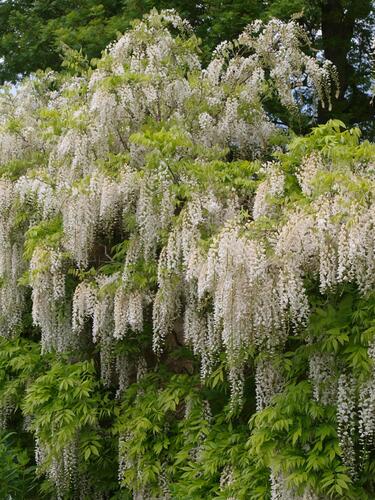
[{"x": 338, "y": 24}]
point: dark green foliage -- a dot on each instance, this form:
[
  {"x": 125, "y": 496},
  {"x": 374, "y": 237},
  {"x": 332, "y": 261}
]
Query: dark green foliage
[{"x": 17, "y": 474}]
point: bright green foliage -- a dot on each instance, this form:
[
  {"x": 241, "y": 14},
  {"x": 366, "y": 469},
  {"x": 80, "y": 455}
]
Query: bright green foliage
[
  {"x": 345, "y": 327},
  {"x": 48, "y": 233},
  {"x": 67, "y": 396},
  {"x": 335, "y": 142},
  {"x": 153, "y": 436},
  {"x": 297, "y": 436},
  {"x": 20, "y": 363},
  {"x": 68, "y": 406},
  {"x": 166, "y": 429}
]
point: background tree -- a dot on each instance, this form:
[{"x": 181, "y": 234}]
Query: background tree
[{"x": 32, "y": 31}]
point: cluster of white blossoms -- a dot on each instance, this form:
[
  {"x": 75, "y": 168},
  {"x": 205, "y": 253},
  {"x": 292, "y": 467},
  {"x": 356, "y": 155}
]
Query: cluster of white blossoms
[
  {"x": 83, "y": 307},
  {"x": 6, "y": 410},
  {"x": 269, "y": 189},
  {"x": 346, "y": 420},
  {"x": 21, "y": 135},
  {"x": 12, "y": 264},
  {"x": 281, "y": 491},
  {"x": 128, "y": 312},
  {"x": 38, "y": 195},
  {"x": 50, "y": 310},
  {"x": 366, "y": 424},
  {"x": 323, "y": 377},
  {"x": 268, "y": 381},
  {"x": 118, "y": 155},
  {"x": 63, "y": 471},
  {"x": 278, "y": 47},
  {"x": 80, "y": 218},
  {"x": 279, "y": 488}
]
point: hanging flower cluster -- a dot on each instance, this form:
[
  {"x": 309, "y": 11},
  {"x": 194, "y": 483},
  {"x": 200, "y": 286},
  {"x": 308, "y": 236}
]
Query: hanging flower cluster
[{"x": 119, "y": 211}]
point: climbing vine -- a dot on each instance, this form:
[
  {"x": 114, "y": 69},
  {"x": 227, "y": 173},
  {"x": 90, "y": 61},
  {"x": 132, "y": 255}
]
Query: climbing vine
[{"x": 187, "y": 290}]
